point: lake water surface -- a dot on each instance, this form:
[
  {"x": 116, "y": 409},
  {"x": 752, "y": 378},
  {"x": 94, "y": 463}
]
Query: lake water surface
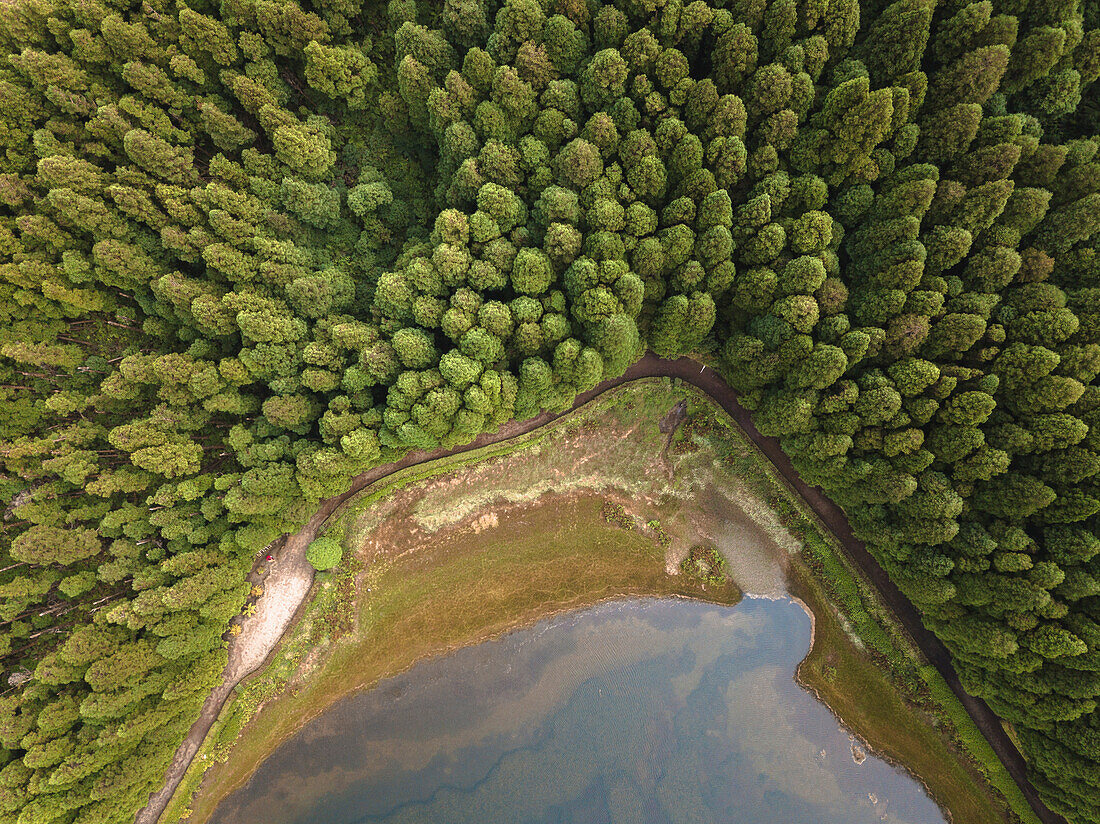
[{"x": 640, "y": 710}]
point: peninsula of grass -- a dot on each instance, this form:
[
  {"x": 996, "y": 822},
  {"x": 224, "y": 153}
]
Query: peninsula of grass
[{"x": 598, "y": 505}]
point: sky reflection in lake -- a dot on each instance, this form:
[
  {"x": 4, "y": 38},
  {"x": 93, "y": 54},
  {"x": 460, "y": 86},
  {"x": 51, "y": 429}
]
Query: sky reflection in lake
[{"x": 635, "y": 711}]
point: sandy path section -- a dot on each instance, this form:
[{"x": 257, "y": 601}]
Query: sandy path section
[{"x": 290, "y": 577}]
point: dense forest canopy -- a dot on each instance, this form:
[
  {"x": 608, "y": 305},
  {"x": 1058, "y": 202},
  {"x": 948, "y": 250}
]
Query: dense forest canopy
[{"x": 252, "y": 248}]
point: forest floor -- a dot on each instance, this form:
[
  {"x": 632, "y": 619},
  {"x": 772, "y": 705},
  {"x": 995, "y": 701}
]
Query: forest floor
[{"x": 287, "y": 581}]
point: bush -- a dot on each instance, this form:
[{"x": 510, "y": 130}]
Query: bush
[
  {"x": 324, "y": 553},
  {"x": 706, "y": 564}
]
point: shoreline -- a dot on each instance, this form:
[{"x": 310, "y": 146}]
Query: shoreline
[
  {"x": 813, "y": 625},
  {"x": 558, "y": 617},
  {"x": 818, "y": 695},
  {"x": 637, "y": 570},
  {"x": 527, "y": 622},
  {"x": 795, "y": 577},
  {"x": 870, "y": 748},
  {"x": 520, "y": 625},
  {"x": 777, "y": 466}
]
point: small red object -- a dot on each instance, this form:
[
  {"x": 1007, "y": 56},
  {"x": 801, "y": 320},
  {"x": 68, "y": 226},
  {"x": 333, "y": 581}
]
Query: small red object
[{"x": 269, "y": 557}]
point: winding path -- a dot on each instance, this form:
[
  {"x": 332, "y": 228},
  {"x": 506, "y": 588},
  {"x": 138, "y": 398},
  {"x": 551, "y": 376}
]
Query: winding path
[{"x": 288, "y": 584}]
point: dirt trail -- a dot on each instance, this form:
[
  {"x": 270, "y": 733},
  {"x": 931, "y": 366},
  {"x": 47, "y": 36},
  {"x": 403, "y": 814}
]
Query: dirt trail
[{"x": 290, "y": 576}]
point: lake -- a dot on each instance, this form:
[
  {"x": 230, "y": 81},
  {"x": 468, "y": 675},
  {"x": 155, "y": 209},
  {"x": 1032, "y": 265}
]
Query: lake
[{"x": 640, "y": 710}]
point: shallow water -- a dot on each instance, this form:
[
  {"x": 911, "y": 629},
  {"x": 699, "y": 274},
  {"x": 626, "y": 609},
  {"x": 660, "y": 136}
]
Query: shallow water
[{"x": 635, "y": 711}]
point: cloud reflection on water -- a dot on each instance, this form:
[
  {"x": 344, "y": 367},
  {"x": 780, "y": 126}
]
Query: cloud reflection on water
[{"x": 640, "y": 710}]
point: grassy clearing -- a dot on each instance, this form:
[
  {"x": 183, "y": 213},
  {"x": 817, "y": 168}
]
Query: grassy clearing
[
  {"x": 533, "y": 537},
  {"x": 470, "y": 586}
]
